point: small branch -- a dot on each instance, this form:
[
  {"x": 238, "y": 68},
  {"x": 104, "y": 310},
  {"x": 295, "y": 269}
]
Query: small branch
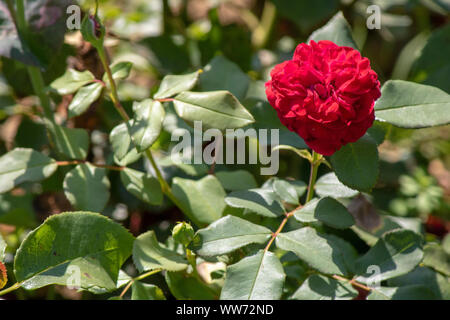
[
  {"x": 165, "y": 100},
  {"x": 280, "y": 228},
  {"x": 315, "y": 163},
  {"x": 15, "y": 286},
  {"x": 353, "y": 282},
  {"x": 112, "y": 83}
]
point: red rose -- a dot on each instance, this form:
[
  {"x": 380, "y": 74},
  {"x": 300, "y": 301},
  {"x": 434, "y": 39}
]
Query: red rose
[{"x": 325, "y": 94}]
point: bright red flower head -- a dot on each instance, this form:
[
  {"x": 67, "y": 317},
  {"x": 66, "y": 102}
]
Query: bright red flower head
[{"x": 325, "y": 94}]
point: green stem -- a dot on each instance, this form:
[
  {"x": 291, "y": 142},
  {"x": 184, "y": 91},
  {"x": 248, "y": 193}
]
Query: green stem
[
  {"x": 315, "y": 163},
  {"x": 115, "y": 98},
  {"x": 38, "y": 84},
  {"x": 262, "y": 32},
  {"x": 21, "y": 22},
  {"x": 140, "y": 277},
  {"x": 112, "y": 83},
  {"x": 10, "y": 289}
]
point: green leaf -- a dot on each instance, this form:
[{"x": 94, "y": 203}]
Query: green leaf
[
  {"x": 321, "y": 252},
  {"x": 396, "y": 253},
  {"x": 147, "y": 123},
  {"x": 258, "y": 277},
  {"x": 143, "y": 186},
  {"x": 222, "y": 74},
  {"x": 18, "y": 210},
  {"x": 149, "y": 254},
  {"x": 87, "y": 187},
  {"x": 71, "y": 241},
  {"x": 318, "y": 287},
  {"x": 216, "y": 109},
  {"x": 71, "y": 81},
  {"x": 333, "y": 213},
  {"x": 187, "y": 287},
  {"x": 433, "y": 63},
  {"x": 24, "y": 165},
  {"x": 236, "y": 180},
  {"x": 228, "y": 234},
  {"x": 172, "y": 85},
  {"x": 336, "y": 30},
  {"x": 328, "y": 185},
  {"x": 435, "y": 257},
  {"x": 307, "y": 212},
  {"x": 261, "y": 201},
  {"x": 356, "y": 164},
  {"x": 307, "y": 14},
  {"x": 413, "y": 292},
  {"x": 120, "y": 70},
  {"x": 71, "y": 142},
  {"x": 289, "y": 191},
  {"x": 123, "y": 147},
  {"x": 200, "y": 209},
  {"x": 144, "y": 291},
  {"x": 439, "y": 284},
  {"x": 84, "y": 98},
  {"x": 412, "y": 105}
]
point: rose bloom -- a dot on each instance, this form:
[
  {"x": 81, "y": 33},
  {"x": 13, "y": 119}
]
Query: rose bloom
[{"x": 325, "y": 94}]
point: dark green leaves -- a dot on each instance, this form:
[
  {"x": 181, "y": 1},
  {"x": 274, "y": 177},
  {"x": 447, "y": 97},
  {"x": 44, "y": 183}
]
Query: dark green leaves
[
  {"x": 336, "y": 30},
  {"x": 172, "y": 85},
  {"x": 149, "y": 254},
  {"x": 23, "y": 165},
  {"x": 307, "y": 14},
  {"x": 333, "y": 213},
  {"x": 356, "y": 164},
  {"x": 216, "y": 109},
  {"x": 71, "y": 244},
  {"x": 87, "y": 187},
  {"x": 228, "y": 234},
  {"x": 222, "y": 74},
  {"x": 142, "y": 186},
  {"x": 147, "y": 123},
  {"x": 395, "y": 254},
  {"x": 412, "y": 105},
  {"x": 321, "y": 252},
  {"x": 201, "y": 209},
  {"x": 318, "y": 287},
  {"x": 258, "y": 277}
]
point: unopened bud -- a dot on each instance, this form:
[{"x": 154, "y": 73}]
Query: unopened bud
[
  {"x": 93, "y": 30},
  {"x": 183, "y": 233}
]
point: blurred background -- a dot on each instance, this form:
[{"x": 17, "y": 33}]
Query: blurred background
[{"x": 178, "y": 36}]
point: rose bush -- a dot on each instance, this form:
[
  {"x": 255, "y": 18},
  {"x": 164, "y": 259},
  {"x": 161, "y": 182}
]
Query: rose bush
[
  {"x": 93, "y": 205},
  {"x": 325, "y": 94}
]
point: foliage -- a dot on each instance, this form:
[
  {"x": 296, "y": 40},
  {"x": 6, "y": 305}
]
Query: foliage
[{"x": 98, "y": 139}]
